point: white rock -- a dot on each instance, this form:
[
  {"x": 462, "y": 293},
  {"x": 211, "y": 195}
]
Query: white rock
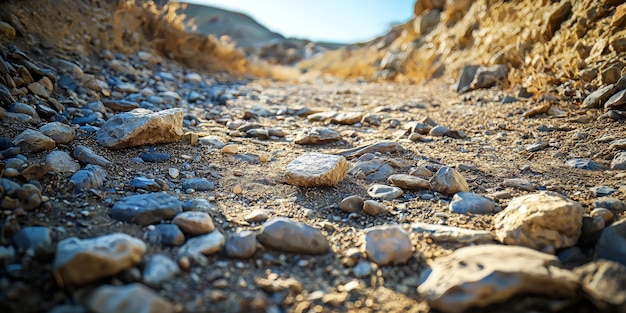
[
  {"x": 205, "y": 244},
  {"x": 389, "y": 244},
  {"x": 316, "y": 169},
  {"x": 194, "y": 223},
  {"x": 384, "y": 192}
]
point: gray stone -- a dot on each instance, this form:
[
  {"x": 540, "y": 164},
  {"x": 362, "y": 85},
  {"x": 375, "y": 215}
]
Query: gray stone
[
  {"x": 61, "y": 162},
  {"x": 154, "y": 157},
  {"x": 448, "y": 181},
  {"x": 92, "y": 176},
  {"x": 389, "y": 244},
  {"x": 141, "y": 127},
  {"x": 80, "y": 261},
  {"x": 159, "y": 268},
  {"x": 145, "y": 209},
  {"x": 604, "y": 282},
  {"x": 168, "y": 235},
  {"x": 373, "y": 207},
  {"x": 316, "y": 135},
  {"x": 477, "y": 276},
  {"x": 316, "y": 169},
  {"x": 375, "y": 169},
  {"x": 256, "y": 216},
  {"x": 520, "y": 183},
  {"x": 410, "y": 182},
  {"x": 619, "y": 161},
  {"x": 351, "y": 204},
  {"x": 86, "y": 155},
  {"x": 384, "y": 192},
  {"x": 612, "y": 243},
  {"x": 601, "y": 191},
  {"x": 617, "y": 101},
  {"x": 144, "y": 183},
  {"x": 362, "y": 268},
  {"x": 34, "y": 240},
  {"x": 241, "y": 245},
  {"x": 489, "y": 76},
  {"x": 466, "y": 77},
  {"x": 586, "y": 165},
  {"x": 542, "y": 221},
  {"x": 59, "y": 132},
  {"x": 610, "y": 203},
  {"x": 194, "y": 223},
  {"x": 598, "y": 97},
  {"x": 471, "y": 203},
  {"x": 439, "y": 131},
  {"x": 287, "y": 235},
  {"x": 379, "y": 147},
  {"x": 537, "y": 146},
  {"x": 33, "y": 141},
  {"x": 133, "y": 298},
  {"x": 204, "y": 244},
  {"x": 451, "y": 233},
  {"x": 23, "y": 108},
  {"x": 198, "y": 184}
]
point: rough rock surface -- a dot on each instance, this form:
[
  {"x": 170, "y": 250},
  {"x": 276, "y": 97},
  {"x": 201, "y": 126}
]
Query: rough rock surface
[
  {"x": 286, "y": 235},
  {"x": 388, "y": 245},
  {"x": 146, "y": 209},
  {"x": 316, "y": 169},
  {"x": 448, "y": 181},
  {"x": 141, "y": 127}
]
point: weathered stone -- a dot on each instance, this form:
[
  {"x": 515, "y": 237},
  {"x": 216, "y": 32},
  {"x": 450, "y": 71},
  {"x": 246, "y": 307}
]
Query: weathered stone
[
  {"x": 448, "y": 181},
  {"x": 316, "y": 169},
  {"x": 204, "y": 244},
  {"x": 198, "y": 184},
  {"x": 316, "y": 135},
  {"x": 92, "y": 176},
  {"x": 347, "y": 118},
  {"x": 286, "y": 235},
  {"x": 612, "y": 243},
  {"x": 477, "y": 276},
  {"x": 471, "y": 203},
  {"x": 351, "y": 204},
  {"x": 159, "y": 269},
  {"x": 388, "y": 244},
  {"x": 605, "y": 283},
  {"x": 598, "y": 97},
  {"x": 145, "y": 209},
  {"x": 617, "y": 101},
  {"x": 410, "y": 182},
  {"x": 168, "y": 235},
  {"x": 80, "y": 261},
  {"x": 141, "y": 127},
  {"x": 194, "y": 223},
  {"x": 380, "y": 147},
  {"x": 438, "y": 131},
  {"x": 33, "y": 141},
  {"x": 384, "y": 192},
  {"x": 28, "y": 196},
  {"x": 520, "y": 183},
  {"x": 241, "y": 245},
  {"x": 59, "y": 132},
  {"x": 619, "y": 161},
  {"x": 61, "y": 162},
  {"x": 373, "y": 207},
  {"x": 488, "y": 76},
  {"x": 86, "y": 155},
  {"x": 542, "y": 221},
  {"x": 375, "y": 169},
  {"x": 34, "y": 240},
  {"x": 586, "y": 165},
  {"x": 452, "y": 233},
  {"x": 131, "y": 298},
  {"x": 610, "y": 203}
]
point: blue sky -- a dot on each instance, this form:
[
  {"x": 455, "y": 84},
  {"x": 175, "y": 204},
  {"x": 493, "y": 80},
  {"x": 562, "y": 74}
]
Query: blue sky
[{"x": 343, "y": 21}]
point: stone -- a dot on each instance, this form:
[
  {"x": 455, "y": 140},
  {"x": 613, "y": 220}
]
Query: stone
[
  {"x": 7, "y": 31},
  {"x": 316, "y": 135},
  {"x": 601, "y": 191},
  {"x": 28, "y": 196},
  {"x": 489, "y": 76},
  {"x": 379, "y": 147},
  {"x": 88, "y": 156},
  {"x": 438, "y": 131},
  {"x": 351, "y": 204},
  {"x": 154, "y": 157},
  {"x": 61, "y": 162},
  {"x": 540, "y": 221},
  {"x": 384, "y": 192},
  {"x": 619, "y": 144},
  {"x": 194, "y": 223},
  {"x": 210, "y": 243},
  {"x": 159, "y": 268},
  {"x": 92, "y": 176},
  {"x": 286, "y": 235},
  {"x": 389, "y": 244},
  {"x": 598, "y": 97},
  {"x": 612, "y": 243},
  {"x": 362, "y": 268},
  {"x": 316, "y": 169},
  {"x": 619, "y": 161},
  {"x": 120, "y": 105},
  {"x": 375, "y": 169},
  {"x": 604, "y": 282},
  {"x": 32, "y": 141},
  {"x": 141, "y": 127},
  {"x": 59, "y": 132},
  {"x": 39, "y": 89},
  {"x": 347, "y": 118},
  {"x": 241, "y": 245},
  {"x": 585, "y": 165},
  {"x": 466, "y": 77},
  {"x": 373, "y": 207},
  {"x": 24, "y": 108},
  {"x": 554, "y": 18},
  {"x": 471, "y": 203},
  {"x": 81, "y": 261},
  {"x": 144, "y": 183},
  {"x": 477, "y": 276},
  {"x": 198, "y": 184},
  {"x": 35, "y": 241},
  {"x": 520, "y": 183},
  {"x": 448, "y": 181},
  {"x": 617, "y": 101},
  {"x": 168, "y": 235},
  {"x": 256, "y": 216},
  {"x": 409, "y": 182},
  {"x": 132, "y": 298},
  {"x": 443, "y": 233},
  {"x": 610, "y": 203},
  {"x": 145, "y": 209}
]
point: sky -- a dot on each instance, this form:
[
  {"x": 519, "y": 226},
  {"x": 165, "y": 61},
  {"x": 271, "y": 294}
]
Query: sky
[{"x": 342, "y": 21}]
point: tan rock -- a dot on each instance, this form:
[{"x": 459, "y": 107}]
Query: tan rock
[
  {"x": 128, "y": 299},
  {"x": 405, "y": 181},
  {"x": 373, "y": 207},
  {"x": 448, "y": 181},
  {"x": 389, "y": 244},
  {"x": 194, "y": 222},
  {"x": 316, "y": 169},
  {"x": 287, "y": 235},
  {"x": 141, "y": 127},
  {"x": 33, "y": 141}
]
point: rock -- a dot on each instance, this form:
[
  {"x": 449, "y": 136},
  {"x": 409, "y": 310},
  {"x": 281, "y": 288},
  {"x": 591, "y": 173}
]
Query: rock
[
  {"x": 380, "y": 147},
  {"x": 154, "y": 157},
  {"x": 39, "y": 89},
  {"x": 540, "y": 221},
  {"x": 131, "y": 298},
  {"x": 81, "y": 261},
  {"x": 145, "y": 209},
  {"x": 286, "y": 235},
  {"x": 159, "y": 268},
  {"x": 347, "y": 118},
  {"x": 477, "y": 276},
  {"x": 241, "y": 245},
  {"x": 316, "y": 169},
  {"x": 617, "y": 101},
  {"x": 448, "y": 181},
  {"x": 362, "y": 269},
  {"x": 438, "y": 131},
  {"x": 375, "y": 169},
  {"x": 141, "y": 127},
  {"x": 198, "y": 184},
  {"x": 471, "y": 203},
  {"x": 34, "y": 240},
  {"x": 120, "y": 105},
  {"x": 612, "y": 243},
  {"x": 61, "y": 162},
  {"x": 384, "y": 192},
  {"x": 610, "y": 203},
  {"x": 256, "y": 216},
  {"x": 194, "y": 223},
  {"x": 520, "y": 183},
  {"x": 92, "y": 176},
  {"x": 165, "y": 235},
  {"x": 554, "y": 18},
  {"x": 585, "y": 165},
  {"x": 33, "y": 141},
  {"x": 389, "y": 244},
  {"x": 619, "y": 144},
  {"x": 86, "y": 155},
  {"x": 488, "y": 76},
  {"x": 601, "y": 191},
  {"x": 59, "y": 132},
  {"x": 28, "y": 196},
  {"x": 204, "y": 244},
  {"x": 351, "y": 204},
  {"x": 466, "y": 77},
  {"x": 604, "y": 282},
  {"x": 451, "y": 233},
  {"x": 605, "y": 214},
  {"x": 7, "y": 31},
  {"x": 410, "y": 182},
  {"x": 619, "y": 161},
  {"x": 373, "y": 207},
  {"x": 144, "y": 183},
  {"x": 598, "y": 97},
  {"x": 316, "y": 135}
]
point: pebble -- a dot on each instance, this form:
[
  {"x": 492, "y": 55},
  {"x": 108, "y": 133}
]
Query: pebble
[
  {"x": 520, "y": 183},
  {"x": 86, "y": 155},
  {"x": 445, "y": 233},
  {"x": 173, "y": 172},
  {"x": 145, "y": 209},
  {"x": 132, "y": 298},
  {"x": 438, "y": 131},
  {"x": 410, "y": 182},
  {"x": 33, "y": 141},
  {"x": 351, "y": 204},
  {"x": 617, "y": 101},
  {"x": 59, "y": 132},
  {"x": 316, "y": 135},
  {"x": 165, "y": 235},
  {"x": 29, "y": 197},
  {"x": 92, "y": 176},
  {"x": 120, "y": 105},
  {"x": 61, "y": 162},
  {"x": 585, "y": 165},
  {"x": 81, "y": 261},
  {"x": 347, "y": 118},
  {"x": 35, "y": 241},
  {"x": 598, "y": 97},
  {"x": 362, "y": 268},
  {"x": 537, "y": 146},
  {"x": 286, "y": 235},
  {"x": 373, "y": 207},
  {"x": 379, "y": 147},
  {"x": 619, "y": 161},
  {"x": 389, "y": 244},
  {"x": 159, "y": 268},
  {"x": 256, "y": 216},
  {"x": 542, "y": 221},
  {"x": 194, "y": 223},
  {"x": 448, "y": 181},
  {"x": 242, "y": 245},
  {"x": 610, "y": 203},
  {"x": 316, "y": 169},
  {"x": 375, "y": 169},
  {"x": 230, "y": 149},
  {"x": 601, "y": 191},
  {"x": 198, "y": 184},
  {"x": 471, "y": 203},
  {"x": 612, "y": 243},
  {"x": 141, "y": 127},
  {"x": 144, "y": 183},
  {"x": 210, "y": 243},
  {"x": 154, "y": 157},
  {"x": 384, "y": 192}
]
